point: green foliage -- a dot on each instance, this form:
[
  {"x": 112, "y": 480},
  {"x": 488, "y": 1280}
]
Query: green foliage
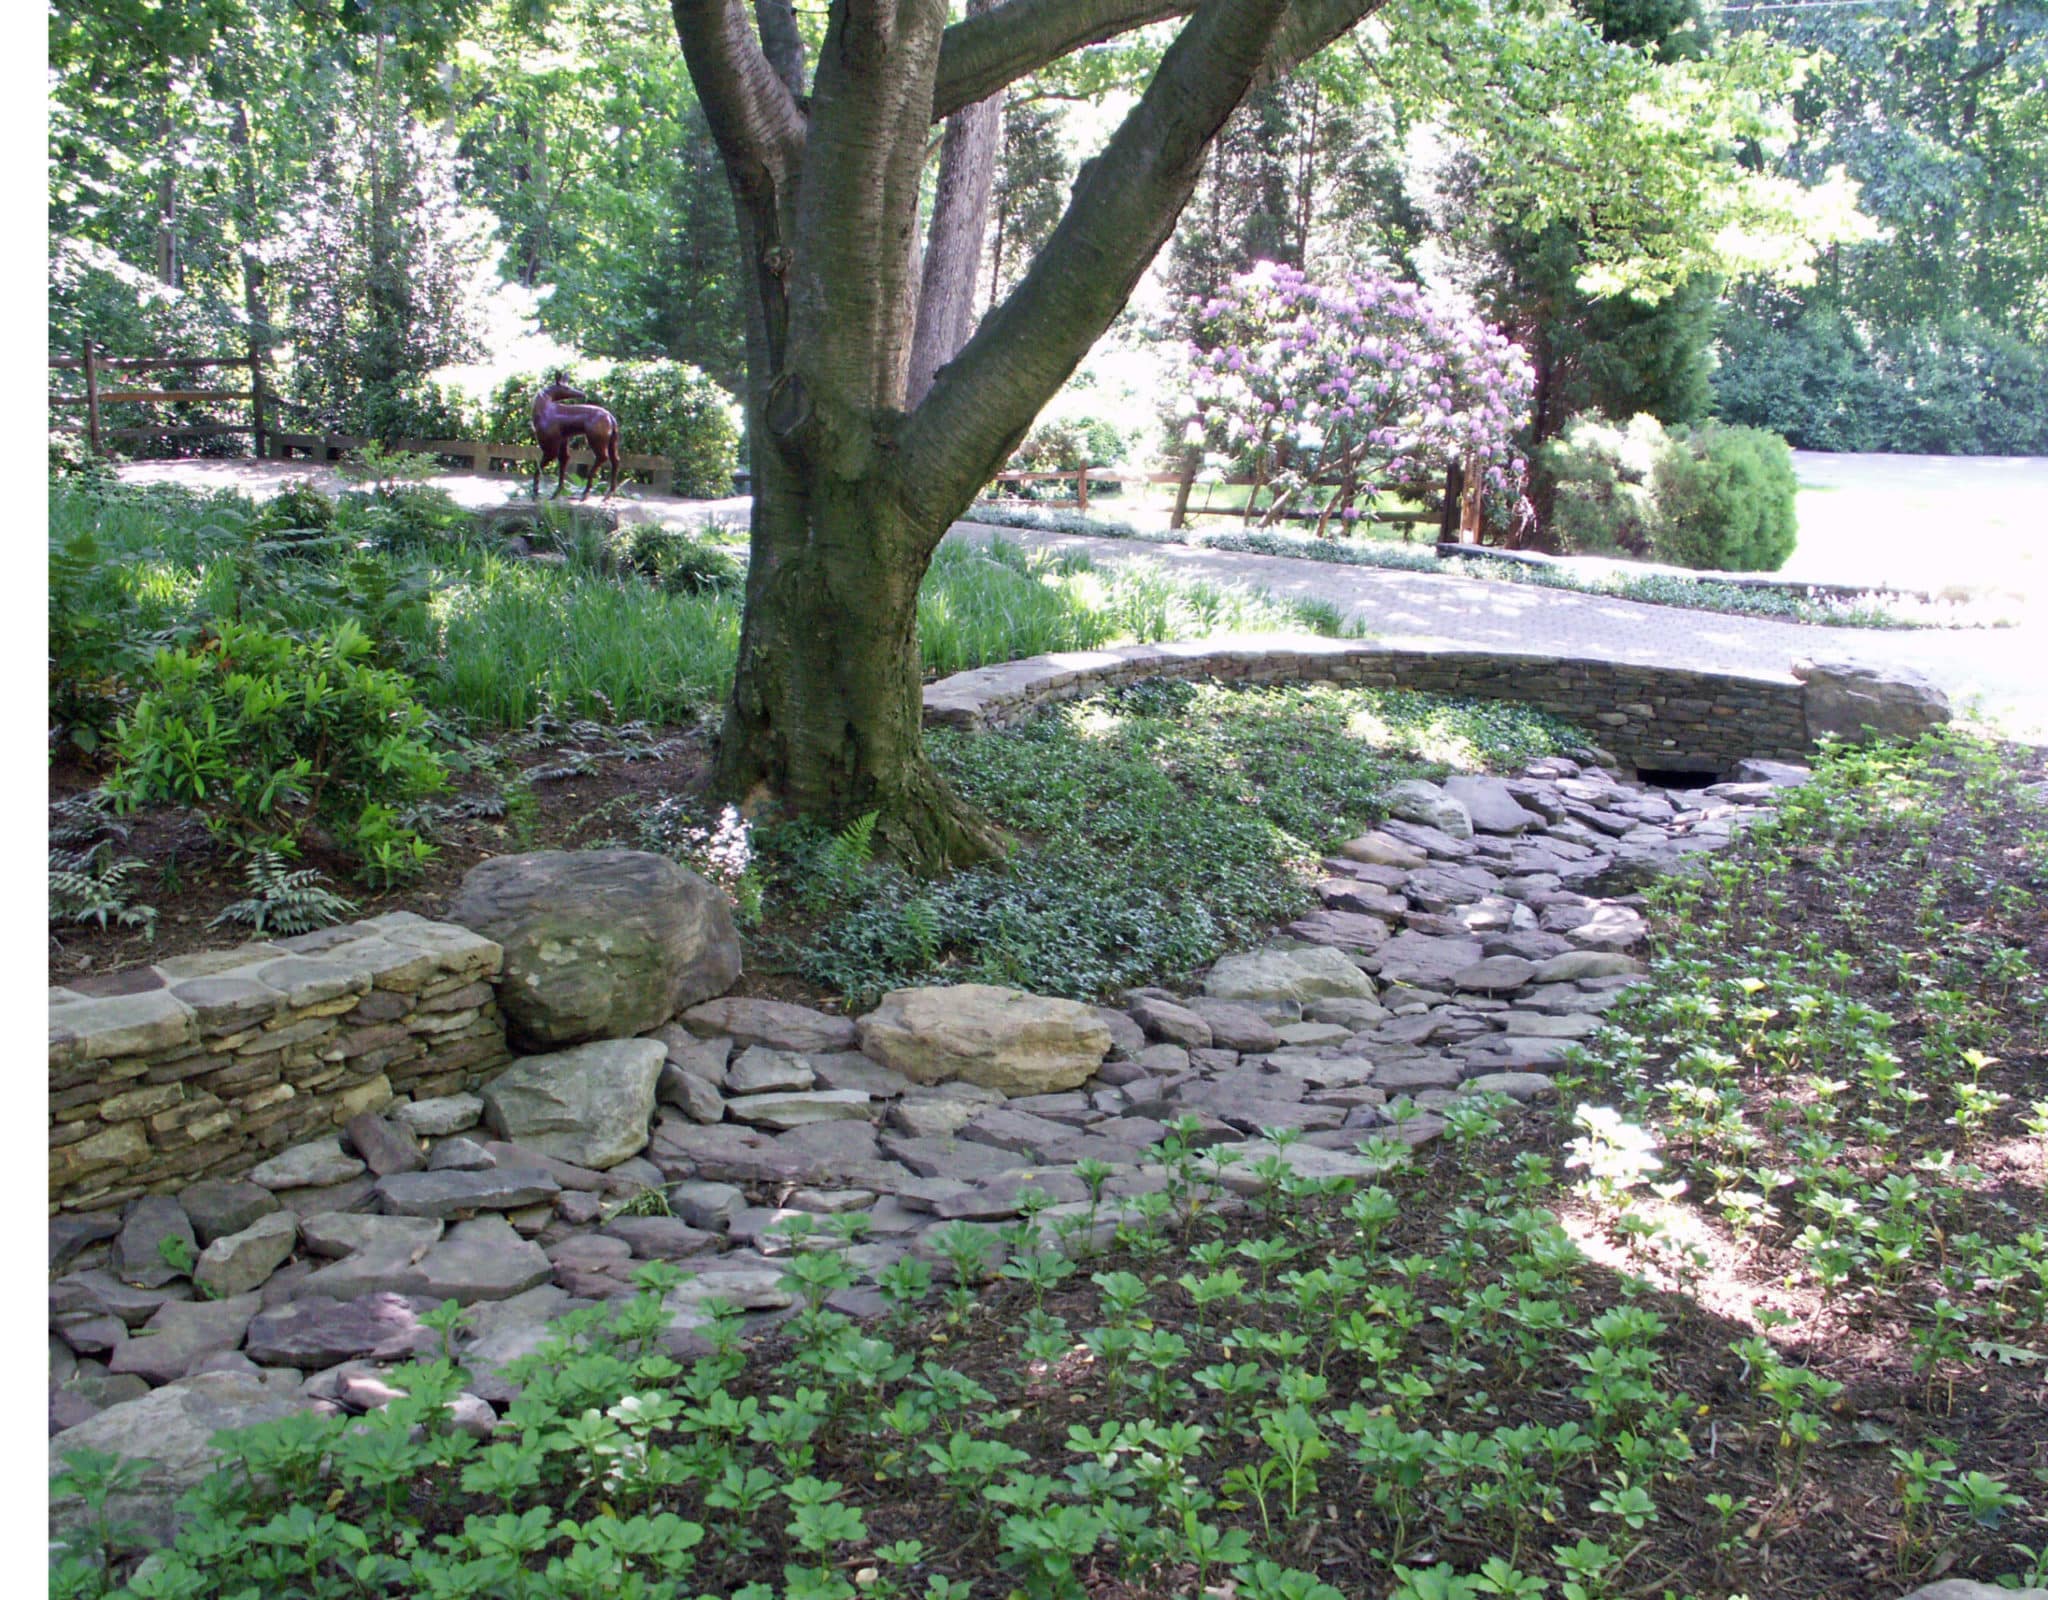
[
  {"x": 265, "y": 733},
  {"x": 1964, "y": 387},
  {"x": 96, "y": 886},
  {"x": 281, "y": 901},
  {"x": 1708, "y": 496},
  {"x": 1110, "y": 790},
  {"x": 679, "y": 562},
  {"x": 1601, "y": 472},
  {"x": 1069, "y": 443},
  {"x": 1725, "y": 500}
]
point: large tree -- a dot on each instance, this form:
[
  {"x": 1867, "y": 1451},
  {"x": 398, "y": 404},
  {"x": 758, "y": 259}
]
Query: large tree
[{"x": 853, "y": 489}]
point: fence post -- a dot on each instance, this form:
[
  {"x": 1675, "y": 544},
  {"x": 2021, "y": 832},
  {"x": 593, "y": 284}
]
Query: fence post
[
  {"x": 1469, "y": 521},
  {"x": 261, "y": 439},
  {"x": 1081, "y": 489},
  {"x": 92, "y": 402}
]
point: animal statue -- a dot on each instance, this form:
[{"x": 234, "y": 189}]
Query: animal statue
[{"x": 557, "y": 421}]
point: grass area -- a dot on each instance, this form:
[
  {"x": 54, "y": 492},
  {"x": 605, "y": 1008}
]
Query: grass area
[
  {"x": 496, "y": 641},
  {"x": 1157, "y": 827},
  {"x": 1390, "y": 552},
  {"x": 1758, "y": 1311}
]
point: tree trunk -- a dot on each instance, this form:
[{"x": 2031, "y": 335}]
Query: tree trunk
[
  {"x": 255, "y": 277},
  {"x": 167, "y": 267},
  {"x": 827, "y": 705},
  {"x": 952, "y": 257}
]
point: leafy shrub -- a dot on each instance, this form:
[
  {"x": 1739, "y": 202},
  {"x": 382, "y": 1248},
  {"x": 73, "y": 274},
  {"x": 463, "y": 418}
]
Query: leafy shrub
[
  {"x": 1602, "y": 471},
  {"x": 267, "y": 733},
  {"x": 1709, "y": 496},
  {"x": 298, "y": 506},
  {"x": 420, "y": 409},
  {"x": 1067, "y": 444},
  {"x": 665, "y": 408},
  {"x": 681, "y": 564},
  {"x": 281, "y": 901},
  {"x": 1724, "y": 499}
]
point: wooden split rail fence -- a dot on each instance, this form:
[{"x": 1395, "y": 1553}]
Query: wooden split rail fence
[
  {"x": 97, "y": 369},
  {"x": 1184, "y": 483},
  {"x": 477, "y": 454}
]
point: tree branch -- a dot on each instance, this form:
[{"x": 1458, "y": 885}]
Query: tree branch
[
  {"x": 986, "y": 53},
  {"x": 753, "y": 115},
  {"x": 781, "y": 43},
  {"x": 1125, "y": 204}
]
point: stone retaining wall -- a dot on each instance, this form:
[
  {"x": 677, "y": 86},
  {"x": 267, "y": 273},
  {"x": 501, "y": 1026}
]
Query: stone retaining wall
[
  {"x": 203, "y": 1064},
  {"x": 1664, "y": 718}
]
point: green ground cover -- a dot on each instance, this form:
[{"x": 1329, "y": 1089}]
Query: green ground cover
[{"x": 1754, "y": 1311}]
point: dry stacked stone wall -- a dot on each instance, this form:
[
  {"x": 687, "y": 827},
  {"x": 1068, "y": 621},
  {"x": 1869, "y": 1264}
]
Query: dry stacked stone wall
[
  {"x": 1665, "y": 718},
  {"x": 204, "y": 1064}
]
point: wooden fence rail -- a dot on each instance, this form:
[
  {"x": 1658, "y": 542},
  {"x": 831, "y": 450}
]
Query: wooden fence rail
[
  {"x": 92, "y": 362},
  {"x": 1183, "y": 483}
]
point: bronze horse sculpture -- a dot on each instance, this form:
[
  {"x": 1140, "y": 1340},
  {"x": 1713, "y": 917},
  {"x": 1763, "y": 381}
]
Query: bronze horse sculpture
[{"x": 556, "y": 425}]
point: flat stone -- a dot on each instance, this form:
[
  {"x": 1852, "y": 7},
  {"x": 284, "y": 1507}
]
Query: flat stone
[
  {"x": 344, "y": 1233},
  {"x": 1418, "y": 801},
  {"x": 482, "y": 1259},
  {"x": 923, "y": 1115},
  {"x": 153, "y": 1221},
  {"x": 1173, "y": 1023},
  {"x": 117, "y": 1026},
  {"x": 998, "y": 1038},
  {"x": 1126, "y": 1038},
  {"x": 696, "y": 1097},
  {"x": 1779, "y": 774},
  {"x": 442, "y": 1116},
  {"x": 1490, "y": 804},
  {"x": 761, "y": 1070},
  {"x": 1528, "y": 943},
  {"x": 1294, "y": 976},
  {"x": 317, "y": 1331},
  {"x": 237, "y": 1263},
  {"x": 775, "y": 1024},
  {"x": 1514, "y": 1052},
  {"x": 1524, "y": 1087},
  {"x": 785, "y": 1111},
  {"x": 1349, "y": 894},
  {"x": 1017, "y": 1131},
  {"x": 1407, "y": 1077},
  {"x": 1383, "y": 850},
  {"x": 1345, "y": 930},
  {"x": 316, "y": 1164},
  {"x": 460, "y": 1155},
  {"x": 1854, "y": 703},
  {"x": 180, "y": 1334},
  {"x": 1610, "y": 928},
  {"x": 1419, "y": 959},
  {"x": 73, "y": 1231},
  {"x": 849, "y": 1069},
  {"x": 97, "y": 1292},
  {"x": 1352, "y": 1014},
  {"x": 1233, "y": 1026},
  {"x": 590, "y": 1104},
  {"x": 450, "y": 1194},
  {"x": 1433, "y": 842},
  {"x": 704, "y": 1205},
  {"x": 386, "y": 1147},
  {"x": 1544, "y": 1026},
  {"x": 1585, "y": 964},
  {"x": 1307, "y": 1160},
  {"x": 1495, "y": 975},
  {"x": 663, "y": 1238},
  {"x": 958, "y": 1159},
  {"x": 524, "y": 1158},
  {"x": 1310, "y": 1034}
]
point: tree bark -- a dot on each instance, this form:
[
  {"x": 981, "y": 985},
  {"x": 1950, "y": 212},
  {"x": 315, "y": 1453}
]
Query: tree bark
[{"x": 952, "y": 255}]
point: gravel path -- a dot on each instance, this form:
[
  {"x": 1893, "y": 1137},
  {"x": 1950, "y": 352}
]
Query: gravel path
[{"x": 2001, "y": 675}]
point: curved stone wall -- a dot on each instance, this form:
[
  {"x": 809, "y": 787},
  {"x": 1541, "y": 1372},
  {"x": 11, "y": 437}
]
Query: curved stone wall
[{"x": 1654, "y": 718}]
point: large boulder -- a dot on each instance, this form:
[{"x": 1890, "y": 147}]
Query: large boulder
[
  {"x": 1857, "y": 703},
  {"x": 1418, "y": 801},
  {"x": 1317, "y": 973},
  {"x": 599, "y": 944},
  {"x": 1000, "y": 1039},
  {"x": 590, "y": 1105}
]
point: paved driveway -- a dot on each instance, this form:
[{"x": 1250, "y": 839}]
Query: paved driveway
[{"x": 2005, "y": 670}]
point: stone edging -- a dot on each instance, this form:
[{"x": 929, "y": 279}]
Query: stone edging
[
  {"x": 1666, "y": 718},
  {"x": 204, "y": 1063}
]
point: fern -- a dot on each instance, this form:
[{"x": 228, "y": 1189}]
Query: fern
[
  {"x": 284, "y": 902},
  {"x": 91, "y": 886},
  {"x": 841, "y": 860},
  {"x": 921, "y": 927}
]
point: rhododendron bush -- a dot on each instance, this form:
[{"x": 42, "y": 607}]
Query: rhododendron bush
[{"x": 1329, "y": 393}]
